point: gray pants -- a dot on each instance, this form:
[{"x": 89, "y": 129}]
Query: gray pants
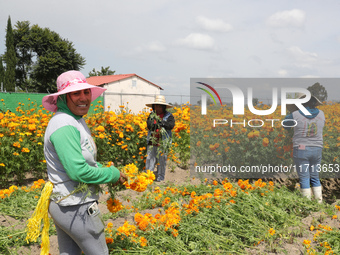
[
  {"x": 151, "y": 160},
  {"x": 78, "y": 231}
]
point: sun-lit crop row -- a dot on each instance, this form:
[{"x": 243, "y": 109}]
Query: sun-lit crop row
[
  {"x": 189, "y": 204},
  {"x": 180, "y": 206}
]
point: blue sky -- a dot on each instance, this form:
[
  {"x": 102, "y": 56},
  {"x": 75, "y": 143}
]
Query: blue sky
[{"x": 169, "y": 41}]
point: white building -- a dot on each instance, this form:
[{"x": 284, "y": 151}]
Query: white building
[{"x": 129, "y": 90}]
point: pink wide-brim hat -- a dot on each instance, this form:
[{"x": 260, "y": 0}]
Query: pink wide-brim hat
[{"x": 67, "y": 82}]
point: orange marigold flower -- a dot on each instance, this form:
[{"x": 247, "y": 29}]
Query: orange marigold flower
[
  {"x": 25, "y": 150},
  {"x": 143, "y": 242},
  {"x": 265, "y": 142},
  {"x": 114, "y": 205},
  {"x": 109, "y": 240},
  {"x": 100, "y": 129}
]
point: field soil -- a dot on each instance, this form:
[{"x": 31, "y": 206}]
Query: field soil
[{"x": 293, "y": 245}]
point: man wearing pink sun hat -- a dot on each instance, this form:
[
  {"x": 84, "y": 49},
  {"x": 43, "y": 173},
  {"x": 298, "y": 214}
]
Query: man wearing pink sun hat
[{"x": 70, "y": 154}]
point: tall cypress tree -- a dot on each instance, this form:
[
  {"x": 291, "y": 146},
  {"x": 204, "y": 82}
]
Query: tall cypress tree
[
  {"x": 10, "y": 59},
  {"x": 2, "y": 74}
]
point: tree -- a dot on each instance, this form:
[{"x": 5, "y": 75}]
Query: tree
[
  {"x": 104, "y": 71},
  {"x": 318, "y": 91},
  {"x": 2, "y": 73},
  {"x": 42, "y": 56},
  {"x": 10, "y": 59},
  {"x": 24, "y": 54}
]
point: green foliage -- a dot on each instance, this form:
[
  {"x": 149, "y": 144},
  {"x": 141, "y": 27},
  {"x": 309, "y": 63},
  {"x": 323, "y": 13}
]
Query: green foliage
[
  {"x": 42, "y": 56},
  {"x": 318, "y": 91},
  {"x": 24, "y": 54},
  {"x": 2, "y": 72},
  {"x": 102, "y": 72},
  {"x": 17, "y": 209},
  {"x": 10, "y": 58},
  {"x": 219, "y": 226}
]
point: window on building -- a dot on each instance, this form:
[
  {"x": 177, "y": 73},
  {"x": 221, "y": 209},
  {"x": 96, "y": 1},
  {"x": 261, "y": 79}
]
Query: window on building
[{"x": 134, "y": 83}]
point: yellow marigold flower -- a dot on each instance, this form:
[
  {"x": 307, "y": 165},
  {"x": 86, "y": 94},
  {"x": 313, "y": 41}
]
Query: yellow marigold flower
[
  {"x": 143, "y": 242},
  {"x": 175, "y": 232},
  {"x": 25, "y": 150},
  {"x": 138, "y": 217},
  {"x": 32, "y": 127},
  {"x": 100, "y": 129},
  {"x": 265, "y": 142},
  {"x": 16, "y": 144},
  {"x": 307, "y": 243},
  {"x": 114, "y": 205}
]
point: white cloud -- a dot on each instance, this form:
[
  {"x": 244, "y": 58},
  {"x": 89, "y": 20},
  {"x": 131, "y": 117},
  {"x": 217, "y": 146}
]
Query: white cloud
[
  {"x": 282, "y": 73},
  {"x": 197, "y": 41},
  {"x": 216, "y": 25},
  {"x": 292, "y": 18},
  {"x": 302, "y": 56},
  {"x": 155, "y": 46}
]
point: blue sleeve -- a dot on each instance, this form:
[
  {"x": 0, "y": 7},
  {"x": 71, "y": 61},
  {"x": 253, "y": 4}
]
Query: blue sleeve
[{"x": 66, "y": 141}]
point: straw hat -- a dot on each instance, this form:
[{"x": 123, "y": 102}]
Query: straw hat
[
  {"x": 159, "y": 99},
  {"x": 293, "y": 107},
  {"x": 68, "y": 82}
]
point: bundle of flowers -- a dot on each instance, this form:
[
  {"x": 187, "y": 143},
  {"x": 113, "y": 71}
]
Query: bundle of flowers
[{"x": 137, "y": 181}]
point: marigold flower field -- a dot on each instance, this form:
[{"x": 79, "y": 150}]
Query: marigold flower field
[
  {"x": 216, "y": 216},
  {"x": 120, "y": 137},
  {"x": 255, "y": 140}
]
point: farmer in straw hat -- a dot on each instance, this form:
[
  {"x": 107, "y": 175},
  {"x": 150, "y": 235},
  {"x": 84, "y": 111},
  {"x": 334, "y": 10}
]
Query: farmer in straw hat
[
  {"x": 160, "y": 123},
  {"x": 70, "y": 155},
  {"x": 307, "y": 145}
]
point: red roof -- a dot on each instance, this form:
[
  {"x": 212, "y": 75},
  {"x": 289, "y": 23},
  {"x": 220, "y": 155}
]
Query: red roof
[{"x": 102, "y": 80}]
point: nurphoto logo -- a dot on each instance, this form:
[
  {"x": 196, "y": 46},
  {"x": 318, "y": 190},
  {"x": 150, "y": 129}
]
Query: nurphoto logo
[{"x": 238, "y": 99}]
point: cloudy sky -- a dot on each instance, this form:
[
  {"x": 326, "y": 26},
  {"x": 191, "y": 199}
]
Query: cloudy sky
[{"x": 169, "y": 41}]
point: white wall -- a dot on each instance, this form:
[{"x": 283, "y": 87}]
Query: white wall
[{"x": 132, "y": 92}]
